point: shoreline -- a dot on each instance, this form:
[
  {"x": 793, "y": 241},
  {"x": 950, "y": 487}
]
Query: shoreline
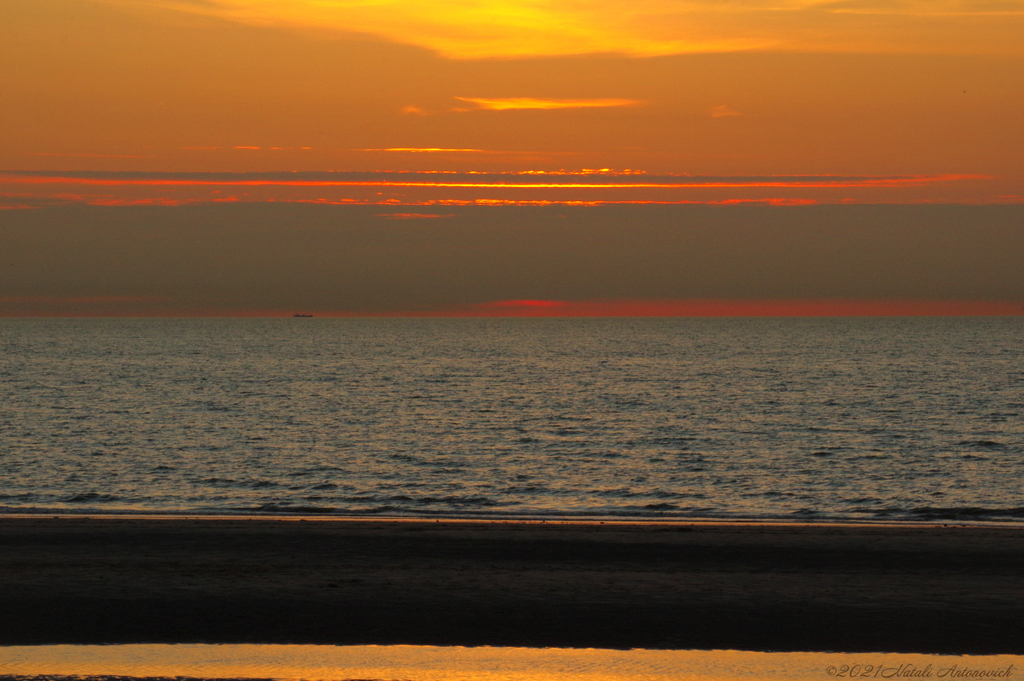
[
  {"x": 525, "y": 520},
  {"x": 907, "y": 587}
]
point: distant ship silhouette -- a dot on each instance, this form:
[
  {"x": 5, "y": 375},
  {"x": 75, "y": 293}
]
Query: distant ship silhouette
[{"x": 302, "y": 315}]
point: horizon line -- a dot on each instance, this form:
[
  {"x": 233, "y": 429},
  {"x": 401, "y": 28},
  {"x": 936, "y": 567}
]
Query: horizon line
[{"x": 43, "y": 307}]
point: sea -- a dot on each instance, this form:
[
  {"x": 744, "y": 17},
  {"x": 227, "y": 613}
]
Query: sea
[{"x": 657, "y": 419}]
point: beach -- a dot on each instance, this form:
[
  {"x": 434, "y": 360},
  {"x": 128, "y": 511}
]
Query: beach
[{"x": 934, "y": 588}]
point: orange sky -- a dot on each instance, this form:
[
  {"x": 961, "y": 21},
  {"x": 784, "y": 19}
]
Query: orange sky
[{"x": 526, "y": 103}]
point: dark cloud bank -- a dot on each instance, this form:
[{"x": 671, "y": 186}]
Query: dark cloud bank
[{"x": 352, "y": 258}]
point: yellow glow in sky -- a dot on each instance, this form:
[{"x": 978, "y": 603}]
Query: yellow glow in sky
[{"x": 518, "y": 28}]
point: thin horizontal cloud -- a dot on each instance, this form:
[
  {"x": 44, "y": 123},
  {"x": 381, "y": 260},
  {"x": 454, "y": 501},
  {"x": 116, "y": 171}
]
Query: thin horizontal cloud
[
  {"x": 68, "y": 199},
  {"x": 578, "y": 180},
  {"x": 414, "y": 216},
  {"x": 723, "y": 111},
  {"x": 62, "y": 154},
  {"x": 510, "y": 103},
  {"x": 589, "y": 187},
  {"x": 245, "y": 148},
  {"x": 30, "y": 201},
  {"x": 940, "y": 8},
  {"x": 464, "y": 150},
  {"x": 428, "y": 150}
]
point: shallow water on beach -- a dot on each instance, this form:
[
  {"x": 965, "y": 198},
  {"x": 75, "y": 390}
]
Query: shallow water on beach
[
  {"x": 430, "y": 663},
  {"x": 796, "y": 418}
]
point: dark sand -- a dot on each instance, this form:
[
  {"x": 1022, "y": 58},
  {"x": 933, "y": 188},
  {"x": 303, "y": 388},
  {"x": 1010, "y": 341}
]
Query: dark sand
[{"x": 926, "y": 589}]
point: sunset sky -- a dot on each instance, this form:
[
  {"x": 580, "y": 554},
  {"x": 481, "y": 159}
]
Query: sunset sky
[{"x": 493, "y": 157}]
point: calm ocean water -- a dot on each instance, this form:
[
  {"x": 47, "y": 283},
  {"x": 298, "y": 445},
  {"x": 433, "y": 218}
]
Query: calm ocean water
[{"x": 806, "y": 418}]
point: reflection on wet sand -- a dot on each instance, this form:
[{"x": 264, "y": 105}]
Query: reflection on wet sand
[{"x": 434, "y": 663}]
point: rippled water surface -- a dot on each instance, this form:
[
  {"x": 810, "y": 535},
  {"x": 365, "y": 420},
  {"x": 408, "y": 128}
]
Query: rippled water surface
[{"x": 891, "y": 418}]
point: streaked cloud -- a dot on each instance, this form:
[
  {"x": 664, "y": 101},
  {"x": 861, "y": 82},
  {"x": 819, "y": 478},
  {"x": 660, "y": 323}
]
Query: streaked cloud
[
  {"x": 413, "y": 216},
  {"x": 590, "y": 187},
  {"x": 587, "y": 178},
  {"x": 723, "y": 111},
  {"x": 427, "y": 150},
  {"x": 507, "y": 103},
  {"x": 241, "y": 148},
  {"x": 519, "y": 28},
  {"x": 69, "y": 155}
]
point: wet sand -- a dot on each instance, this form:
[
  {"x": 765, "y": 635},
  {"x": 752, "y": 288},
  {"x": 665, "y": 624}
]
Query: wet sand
[{"x": 853, "y": 588}]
